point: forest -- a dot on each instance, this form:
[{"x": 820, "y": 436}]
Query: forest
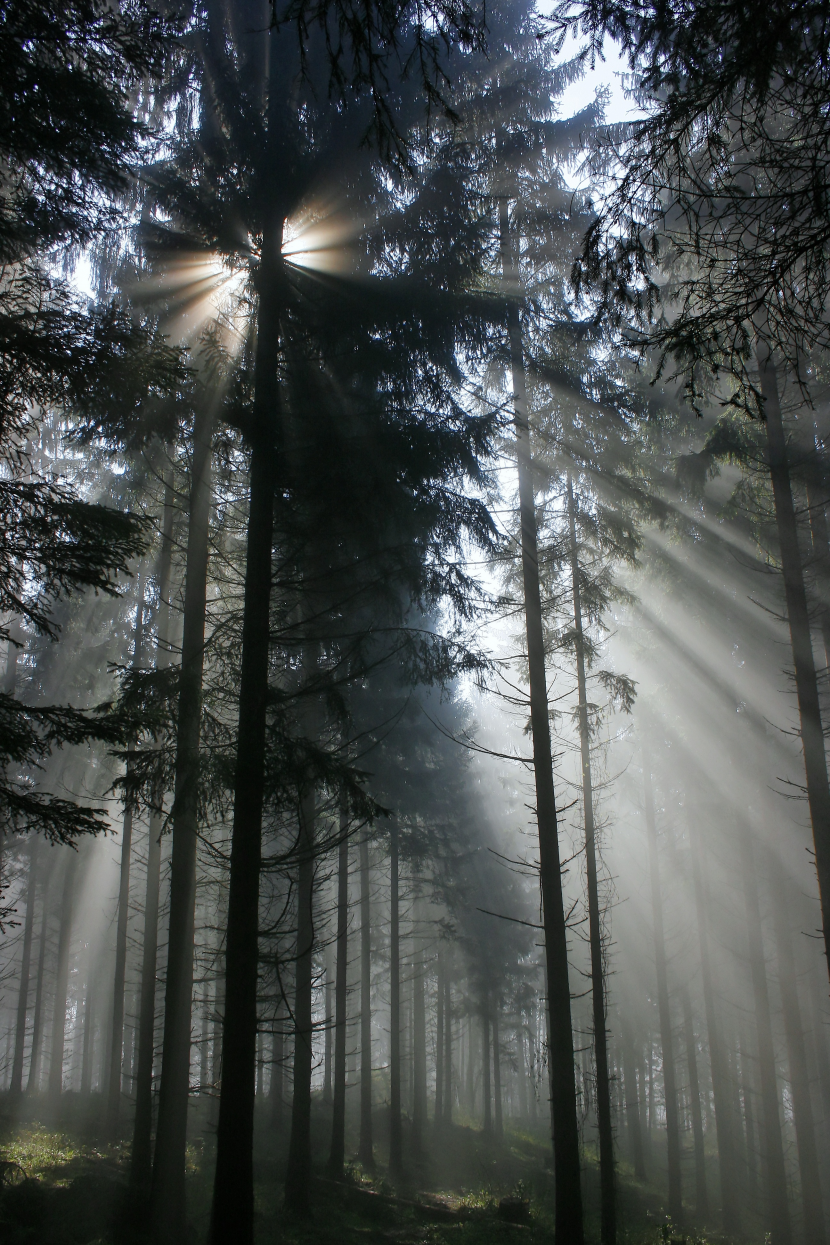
[{"x": 414, "y": 622}]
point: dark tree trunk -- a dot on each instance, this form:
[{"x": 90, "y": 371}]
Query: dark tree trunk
[
  {"x": 675, "y": 1202},
  {"x": 752, "y": 1191},
  {"x": 497, "y": 1100},
  {"x": 811, "y": 1199},
  {"x": 567, "y": 1175},
  {"x": 608, "y": 1197},
  {"x": 168, "y": 1180},
  {"x": 338, "y": 1126},
  {"x": 141, "y": 1160},
  {"x": 276, "y": 1092},
  {"x": 724, "y": 1128},
  {"x": 395, "y": 1136},
  {"x": 298, "y": 1174},
  {"x": 632, "y": 1101},
  {"x": 232, "y": 1212},
  {"x": 772, "y": 1148},
  {"x": 419, "y": 1046},
  {"x": 522, "y": 1070},
  {"x": 438, "y": 1117},
  {"x": 447, "y": 1039},
  {"x": 33, "y": 1082},
  {"x": 113, "y": 1096},
  {"x": 485, "y": 1066},
  {"x": 62, "y": 981},
  {"x": 329, "y": 1030},
  {"x": 16, "y": 1086},
  {"x": 806, "y": 683},
  {"x": 89, "y": 1031},
  {"x": 701, "y": 1191},
  {"x": 365, "y": 1149}
]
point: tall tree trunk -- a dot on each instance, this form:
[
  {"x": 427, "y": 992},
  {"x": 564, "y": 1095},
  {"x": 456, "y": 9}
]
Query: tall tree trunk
[
  {"x": 395, "y": 1135},
  {"x": 141, "y": 1159},
  {"x": 298, "y": 1174},
  {"x": 329, "y": 1026},
  {"x": 675, "y": 1202},
  {"x": 276, "y": 1091},
  {"x": 567, "y": 1175},
  {"x": 608, "y": 1199},
  {"x": 113, "y": 1096},
  {"x": 419, "y": 1042},
  {"x": 438, "y": 1118},
  {"x": 522, "y": 1070},
  {"x": 62, "y": 981},
  {"x": 448, "y": 1038},
  {"x": 727, "y": 1159},
  {"x": 89, "y": 1030},
  {"x": 701, "y": 1191},
  {"x": 772, "y": 1149},
  {"x": 632, "y": 1101},
  {"x": 485, "y": 1066},
  {"x": 168, "y": 1180},
  {"x": 811, "y": 1199},
  {"x": 365, "y": 1149},
  {"x": 497, "y": 1099},
  {"x": 752, "y": 1191},
  {"x": 806, "y": 683},
  {"x": 16, "y": 1086},
  {"x": 338, "y": 1125},
  {"x": 33, "y": 1082},
  {"x": 232, "y": 1214}
]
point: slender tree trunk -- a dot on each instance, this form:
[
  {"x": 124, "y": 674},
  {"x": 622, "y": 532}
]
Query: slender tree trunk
[
  {"x": 608, "y": 1199},
  {"x": 89, "y": 1031},
  {"x": 497, "y": 1099},
  {"x": 752, "y": 1191},
  {"x": 772, "y": 1149},
  {"x": 233, "y": 1189},
  {"x": 675, "y": 1202},
  {"x": 117, "y": 1018},
  {"x": 365, "y": 1149},
  {"x": 806, "y": 683},
  {"x": 438, "y": 1117},
  {"x": 16, "y": 1086},
  {"x": 485, "y": 1066},
  {"x": 62, "y": 981},
  {"x": 522, "y": 1070},
  {"x": 276, "y": 1093},
  {"x": 419, "y": 1043},
  {"x": 447, "y": 1039},
  {"x": 338, "y": 1126},
  {"x": 168, "y": 1180},
  {"x": 329, "y": 1031},
  {"x": 395, "y": 1135},
  {"x": 811, "y": 1199},
  {"x": 568, "y": 1195},
  {"x": 33, "y": 1082},
  {"x": 632, "y": 1101},
  {"x": 727, "y": 1159},
  {"x": 701, "y": 1191},
  {"x": 141, "y": 1159},
  {"x": 298, "y": 1174}
]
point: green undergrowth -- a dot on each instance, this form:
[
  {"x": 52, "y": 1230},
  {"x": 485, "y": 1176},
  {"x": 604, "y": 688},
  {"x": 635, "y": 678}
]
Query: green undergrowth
[{"x": 63, "y": 1187}]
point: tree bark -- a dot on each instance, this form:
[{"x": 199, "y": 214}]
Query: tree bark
[
  {"x": 419, "y": 1043},
  {"x": 675, "y": 1202},
  {"x": 701, "y": 1191},
  {"x": 727, "y": 1159},
  {"x": 497, "y": 1100},
  {"x": 141, "y": 1159},
  {"x": 33, "y": 1082},
  {"x": 365, "y": 1149},
  {"x": 811, "y": 1199},
  {"x": 485, "y": 1066},
  {"x": 62, "y": 981},
  {"x": 168, "y": 1207},
  {"x": 806, "y": 683},
  {"x": 772, "y": 1149},
  {"x": 632, "y": 1101},
  {"x": 16, "y": 1086},
  {"x": 338, "y": 1126},
  {"x": 395, "y": 1134},
  {"x": 567, "y": 1175},
  {"x": 608, "y": 1197},
  {"x": 438, "y": 1117},
  {"x": 119, "y": 977},
  {"x": 298, "y": 1174},
  {"x": 447, "y": 1039},
  {"x": 329, "y": 1029}
]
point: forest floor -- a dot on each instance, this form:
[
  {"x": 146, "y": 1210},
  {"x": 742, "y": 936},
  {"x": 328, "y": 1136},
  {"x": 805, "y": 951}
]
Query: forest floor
[{"x": 60, "y": 1186}]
